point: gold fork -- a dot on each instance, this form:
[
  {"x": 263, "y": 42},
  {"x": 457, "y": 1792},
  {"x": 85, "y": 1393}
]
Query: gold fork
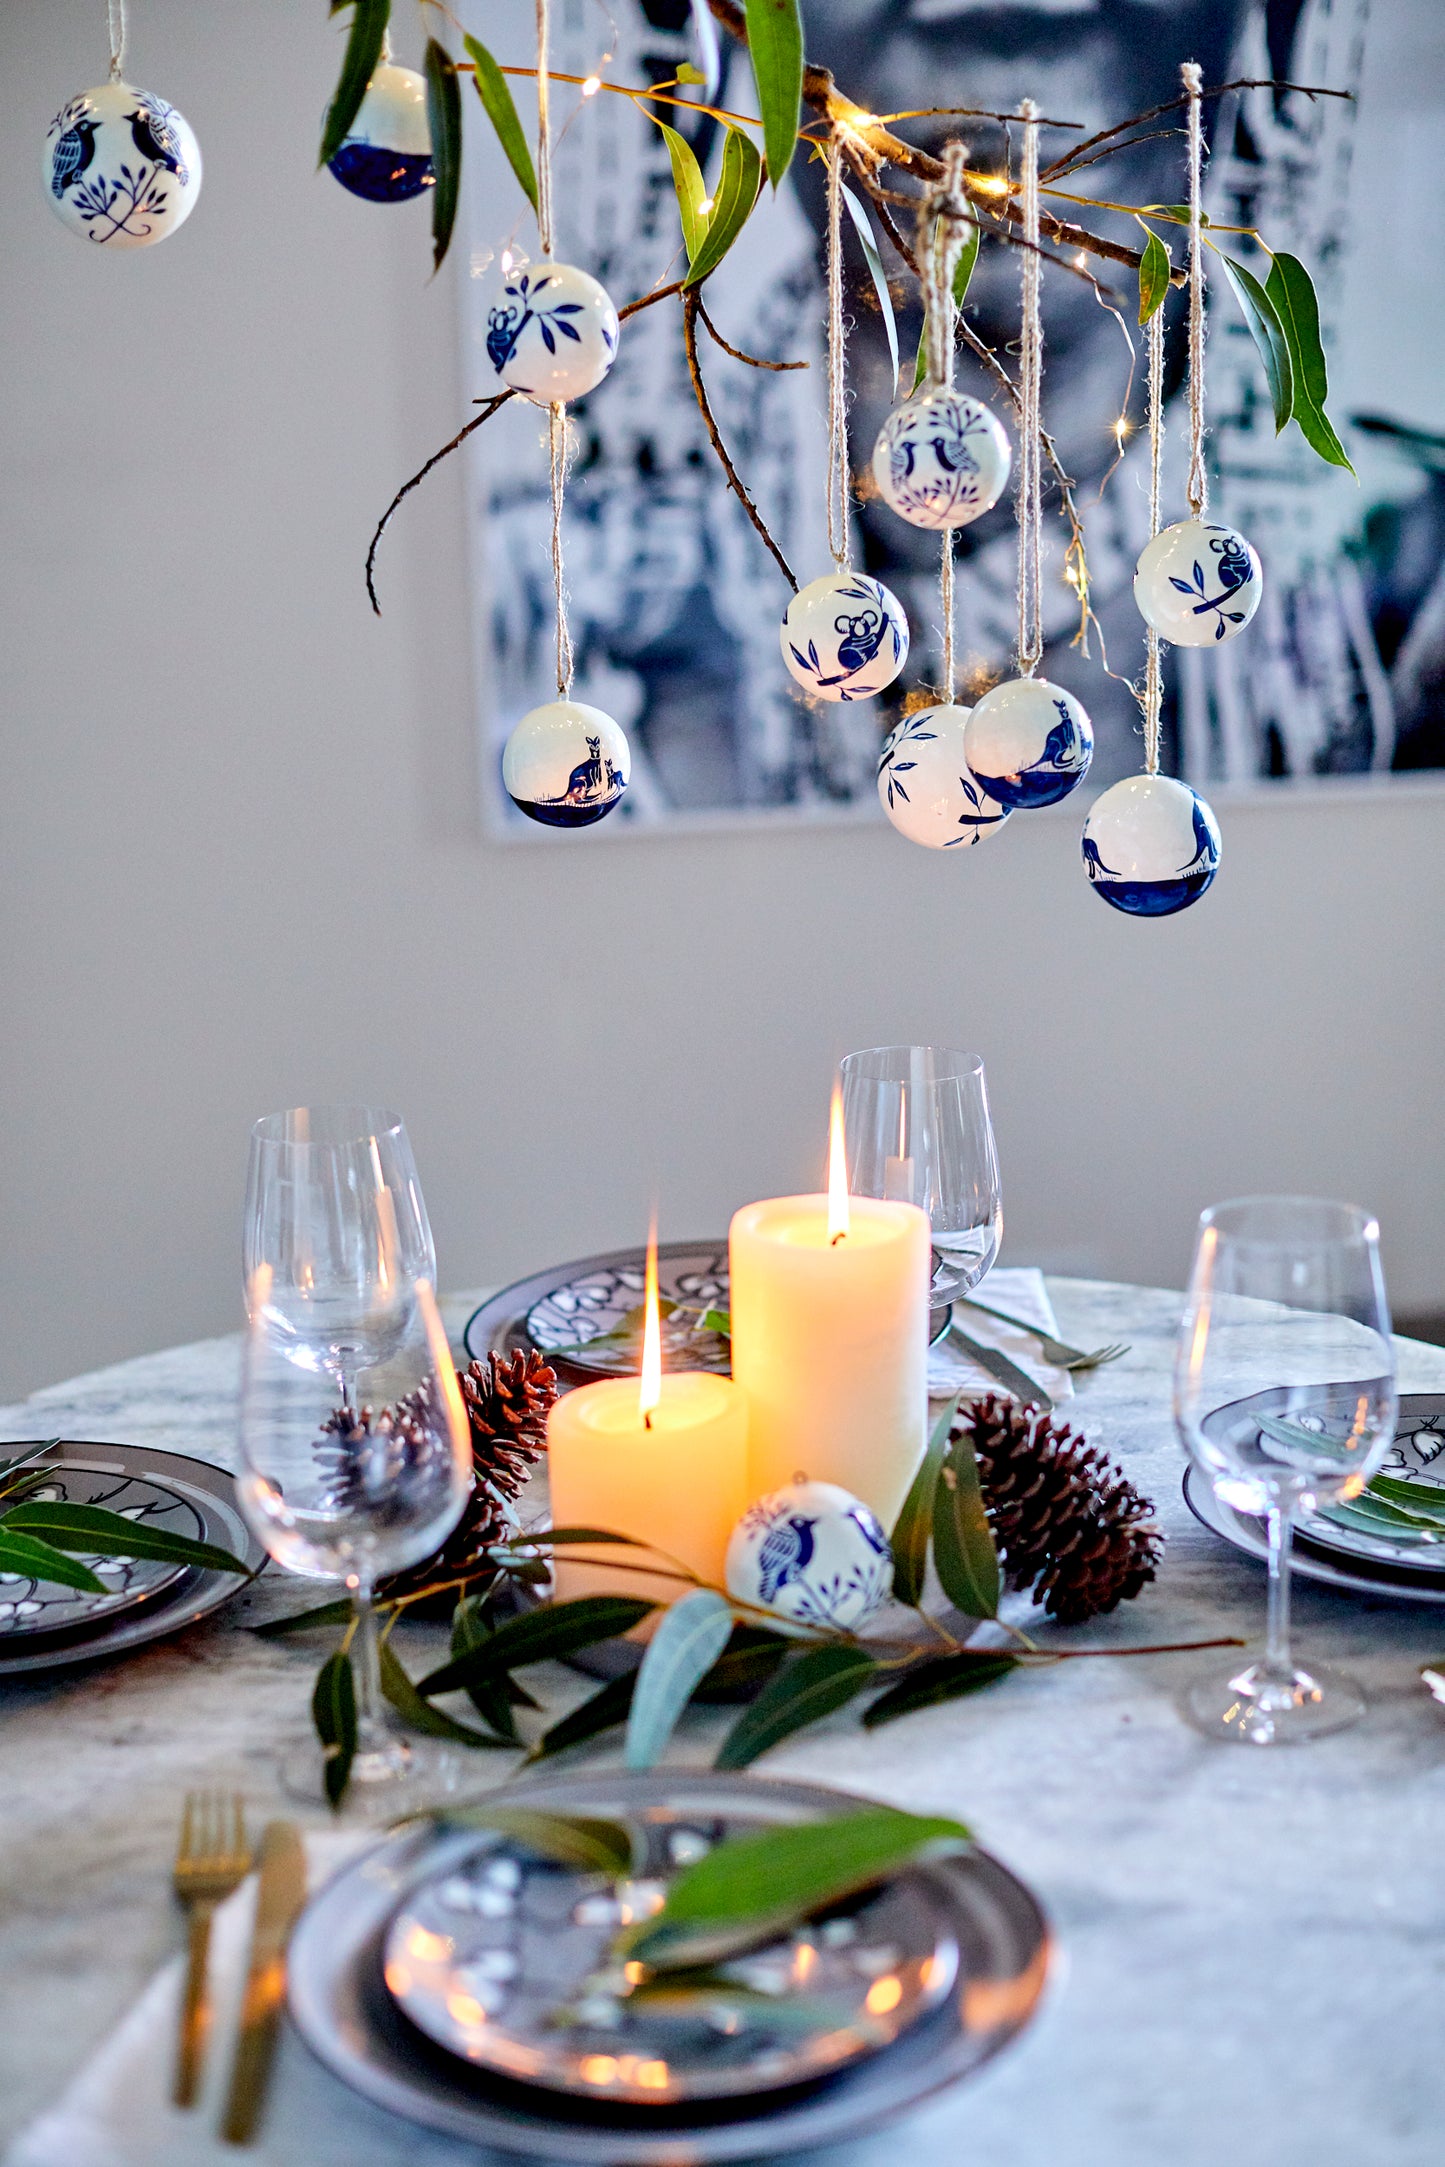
[{"x": 211, "y": 1860}]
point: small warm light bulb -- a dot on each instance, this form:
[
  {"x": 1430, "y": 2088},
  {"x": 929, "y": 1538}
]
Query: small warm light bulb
[
  {"x": 1081, "y": 261},
  {"x": 838, "y": 1219},
  {"x": 506, "y": 263},
  {"x": 650, "y": 1381},
  {"x": 1122, "y": 428},
  {"x": 592, "y": 85}
]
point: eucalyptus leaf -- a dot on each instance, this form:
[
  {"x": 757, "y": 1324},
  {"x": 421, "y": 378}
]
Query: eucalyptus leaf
[
  {"x": 963, "y": 272},
  {"x": 1291, "y": 289},
  {"x": 561, "y": 1537},
  {"x": 1154, "y": 270},
  {"x": 360, "y": 62},
  {"x": 418, "y": 1714},
  {"x": 590, "y": 1845},
  {"x": 1176, "y": 213},
  {"x": 802, "y": 1690},
  {"x": 489, "y": 1696},
  {"x": 25, "y": 1457},
  {"x": 1265, "y": 328},
  {"x": 689, "y": 1638},
  {"x": 775, "y": 42},
  {"x": 719, "y": 1321},
  {"x": 750, "y": 1658},
  {"x": 1294, "y": 1436},
  {"x": 95, "y": 1531},
  {"x": 444, "y": 118},
  {"x": 541, "y": 1636},
  {"x": 864, "y": 228},
  {"x": 914, "y": 1525},
  {"x": 601, "y": 1712},
  {"x": 691, "y": 192},
  {"x": 940, "y": 1678},
  {"x": 333, "y": 1711},
  {"x": 32, "y": 1559},
  {"x": 738, "y": 184},
  {"x": 708, "y": 51},
  {"x": 305, "y": 1621},
  {"x": 963, "y": 1546},
  {"x": 1424, "y": 1501},
  {"x": 750, "y": 1888},
  {"x": 501, "y": 110}
]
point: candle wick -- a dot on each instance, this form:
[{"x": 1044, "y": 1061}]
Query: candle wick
[
  {"x": 647, "y": 1420},
  {"x": 841, "y": 1235}
]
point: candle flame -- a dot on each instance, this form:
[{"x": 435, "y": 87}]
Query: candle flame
[
  {"x": 650, "y": 1380},
  {"x": 838, "y": 1220}
]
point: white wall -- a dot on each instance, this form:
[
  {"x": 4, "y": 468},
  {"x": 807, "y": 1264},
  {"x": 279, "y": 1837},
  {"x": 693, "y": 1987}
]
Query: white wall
[{"x": 243, "y": 865}]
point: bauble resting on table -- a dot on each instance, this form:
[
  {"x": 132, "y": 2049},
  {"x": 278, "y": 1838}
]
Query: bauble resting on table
[{"x": 812, "y": 1553}]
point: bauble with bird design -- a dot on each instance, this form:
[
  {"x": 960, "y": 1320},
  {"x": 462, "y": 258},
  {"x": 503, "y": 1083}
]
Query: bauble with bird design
[
  {"x": 1198, "y": 583},
  {"x": 552, "y": 332},
  {"x": 813, "y": 1554},
  {"x": 844, "y": 636},
  {"x": 925, "y": 785},
  {"x": 121, "y": 167},
  {"x": 386, "y": 156},
  {"x": 1029, "y": 742},
  {"x": 1151, "y": 846},
  {"x": 942, "y": 459},
  {"x": 566, "y": 764}
]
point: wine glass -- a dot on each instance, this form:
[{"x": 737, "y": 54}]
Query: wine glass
[
  {"x": 918, "y": 1130},
  {"x": 1284, "y": 1397},
  {"x": 334, "y": 1212},
  {"x": 348, "y": 1489}
]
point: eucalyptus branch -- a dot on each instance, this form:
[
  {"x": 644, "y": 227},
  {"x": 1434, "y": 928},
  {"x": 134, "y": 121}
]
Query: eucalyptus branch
[
  {"x": 691, "y": 303},
  {"x": 754, "y": 361},
  {"x": 1174, "y": 105}
]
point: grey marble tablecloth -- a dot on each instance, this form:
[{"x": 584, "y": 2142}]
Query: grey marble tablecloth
[{"x": 1251, "y": 1945}]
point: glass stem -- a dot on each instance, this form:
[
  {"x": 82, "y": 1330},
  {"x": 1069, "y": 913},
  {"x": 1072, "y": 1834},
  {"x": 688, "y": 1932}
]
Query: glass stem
[
  {"x": 366, "y": 1667},
  {"x": 1278, "y": 1662}
]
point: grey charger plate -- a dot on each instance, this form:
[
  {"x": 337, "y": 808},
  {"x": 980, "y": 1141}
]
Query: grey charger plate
[
  {"x": 340, "y": 2005},
  {"x": 205, "y": 1502},
  {"x": 1356, "y": 1575}
]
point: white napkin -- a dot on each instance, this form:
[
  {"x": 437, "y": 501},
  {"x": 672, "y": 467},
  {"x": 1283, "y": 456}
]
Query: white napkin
[{"x": 1021, "y": 1291}]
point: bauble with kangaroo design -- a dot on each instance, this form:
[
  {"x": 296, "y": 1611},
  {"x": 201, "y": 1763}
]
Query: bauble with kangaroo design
[{"x": 566, "y": 764}]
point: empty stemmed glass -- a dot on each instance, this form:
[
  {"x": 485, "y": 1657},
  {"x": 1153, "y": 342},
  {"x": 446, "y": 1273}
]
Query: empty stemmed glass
[
  {"x": 918, "y": 1131},
  {"x": 1284, "y": 1396}
]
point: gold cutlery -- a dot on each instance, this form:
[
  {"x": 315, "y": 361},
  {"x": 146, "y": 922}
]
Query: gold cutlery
[
  {"x": 211, "y": 1861},
  {"x": 279, "y": 1896}
]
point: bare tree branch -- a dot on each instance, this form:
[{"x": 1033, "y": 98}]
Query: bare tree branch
[
  {"x": 691, "y": 303},
  {"x": 754, "y": 361}
]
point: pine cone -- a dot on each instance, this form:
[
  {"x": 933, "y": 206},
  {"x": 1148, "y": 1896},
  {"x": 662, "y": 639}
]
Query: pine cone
[{"x": 1066, "y": 1521}]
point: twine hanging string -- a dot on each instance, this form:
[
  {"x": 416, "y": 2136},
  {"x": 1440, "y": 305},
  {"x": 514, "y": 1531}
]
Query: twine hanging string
[
  {"x": 1029, "y": 497},
  {"x": 943, "y": 222},
  {"x": 1153, "y": 698},
  {"x": 116, "y": 26},
  {"x": 1192, "y": 78},
  {"x": 556, "y": 412},
  {"x": 838, "y": 538}
]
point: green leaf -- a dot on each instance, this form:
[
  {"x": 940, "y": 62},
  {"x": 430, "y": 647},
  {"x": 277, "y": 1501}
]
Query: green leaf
[
  {"x": 419, "y": 1714},
  {"x": 805, "y": 1688},
  {"x": 560, "y": 1537},
  {"x": 1291, "y": 289},
  {"x": 600, "y": 1713},
  {"x": 1424, "y": 1501},
  {"x": 1265, "y": 328},
  {"x": 1374, "y": 1516},
  {"x": 691, "y": 195},
  {"x": 1154, "y": 270},
  {"x": 362, "y": 57},
  {"x": 542, "y": 1635},
  {"x": 863, "y": 227},
  {"x": 750, "y": 1658},
  {"x": 25, "y": 1458},
  {"x": 750, "y": 1888},
  {"x": 963, "y": 1549},
  {"x": 590, "y": 1845},
  {"x": 1176, "y": 213},
  {"x": 940, "y": 1678},
  {"x": 333, "y": 1711},
  {"x": 90, "y": 1528},
  {"x": 689, "y": 1638},
  {"x": 911, "y": 1530},
  {"x": 687, "y": 73},
  {"x": 963, "y": 272},
  {"x": 36, "y": 1560},
  {"x": 775, "y": 41},
  {"x": 489, "y": 1696},
  {"x": 717, "y": 1320},
  {"x": 737, "y": 191},
  {"x": 1295, "y": 1436},
  {"x": 305, "y": 1621},
  {"x": 501, "y": 111},
  {"x": 444, "y": 119}
]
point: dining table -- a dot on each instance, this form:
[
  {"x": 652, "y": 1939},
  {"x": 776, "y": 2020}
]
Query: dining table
[{"x": 1247, "y": 1944}]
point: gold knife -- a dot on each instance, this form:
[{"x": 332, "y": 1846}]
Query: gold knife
[{"x": 280, "y": 1895}]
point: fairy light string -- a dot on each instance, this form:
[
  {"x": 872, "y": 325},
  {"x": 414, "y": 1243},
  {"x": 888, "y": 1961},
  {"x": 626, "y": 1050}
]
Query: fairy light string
[
  {"x": 838, "y": 537},
  {"x": 943, "y": 222},
  {"x": 556, "y": 411},
  {"x": 1029, "y": 496},
  {"x": 1191, "y": 75}
]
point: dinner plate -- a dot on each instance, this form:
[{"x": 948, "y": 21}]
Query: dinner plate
[
  {"x": 1311, "y": 1561},
  {"x": 31, "y": 1607},
  {"x": 167, "y": 1488},
  {"x": 343, "y": 2010}
]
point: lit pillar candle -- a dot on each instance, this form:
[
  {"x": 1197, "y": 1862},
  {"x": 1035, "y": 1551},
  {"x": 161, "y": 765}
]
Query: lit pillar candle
[
  {"x": 829, "y": 1308},
  {"x": 659, "y": 1457}
]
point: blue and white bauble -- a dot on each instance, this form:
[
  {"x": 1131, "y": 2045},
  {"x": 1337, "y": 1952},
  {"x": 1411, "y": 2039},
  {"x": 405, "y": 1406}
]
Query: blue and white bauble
[
  {"x": 844, "y": 636},
  {"x": 941, "y": 459},
  {"x": 386, "y": 156},
  {"x": 924, "y": 783},
  {"x": 1029, "y": 742},
  {"x": 566, "y": 764},
  {"x": 552, "y": 332},
  {"x": 121, "y": 167},
  {"x": 1198, "y": 583},
  {"x": 812, "y": 1553},
  {"x": 1151, "y": 846}
]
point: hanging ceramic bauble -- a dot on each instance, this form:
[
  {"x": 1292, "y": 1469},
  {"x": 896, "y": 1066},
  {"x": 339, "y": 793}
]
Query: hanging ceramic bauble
[
  {"x": 942, "y": 459},
  {"x": 386, "y": 156},
  {"x": 813, "y": 1553},
  {"x": 553, "y": 332},
  {"x": 925, "y": 786},
  {"x": 844, "y": 636},
  {"x": 566, "y": 764},
  {"x": 1029, "y": 742},
  {"x": 1198, "y": 582},
  {"x": 1151, "y": 846},
  {"x": 121, "y": 166}
]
